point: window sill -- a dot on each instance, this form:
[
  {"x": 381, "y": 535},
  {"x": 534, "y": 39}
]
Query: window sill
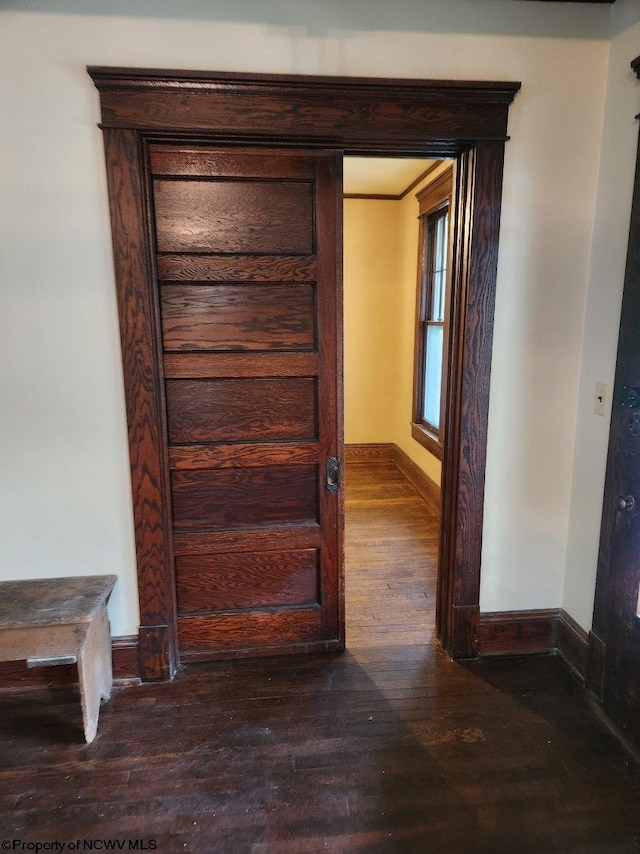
[{"x": 427, "y": 439}]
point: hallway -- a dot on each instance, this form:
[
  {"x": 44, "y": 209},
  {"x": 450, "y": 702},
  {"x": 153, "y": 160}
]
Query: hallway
[
  {"x": 388, "y": 748},
  {"x": 391, "y": 555}
]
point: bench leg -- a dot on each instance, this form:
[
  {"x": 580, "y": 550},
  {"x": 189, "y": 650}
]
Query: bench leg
[{"x": 95, "y": 672}]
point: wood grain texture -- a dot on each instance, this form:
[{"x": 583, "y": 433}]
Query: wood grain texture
[
  {"x": 237, "y": 317},
  {"x": 427, "y": 488},
  {"x": 518, "y": 632},
  {"x": 368, "y": 453},
  {"x": 475, "y": 364},
  {"x": 234, "y": 216},
  {"x": 242, "y": 410},
  {"x": 244, "y": 498},
  {"x": 436, "y": 192},
  {"x": 125, "y": 658},
  {"x": 228, "y": 485},
  {"x": 475, "y": 256},
  {"x": 273, "y": 538},
  {"x": 391, "y": 559},
  {"x": 344, "y": 111},
  {"x": 222, "y": 582},
  {"x": 143, "y": 394},
  {"x": 232, "y": 631},
  {"x": 48, "y": 602},
  {"x": 191, "y": 160},
  {"x": 202, "y": 365},
  {"x": 153, "y": 646},
  {"x": 240, "y": 455},
  {"x": 329, "y": 230},
  {"x": 248, "y": 268}
]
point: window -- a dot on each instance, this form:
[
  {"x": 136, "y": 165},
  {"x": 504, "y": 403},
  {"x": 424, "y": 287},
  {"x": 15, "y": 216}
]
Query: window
[{"x": 432, "y": 314}]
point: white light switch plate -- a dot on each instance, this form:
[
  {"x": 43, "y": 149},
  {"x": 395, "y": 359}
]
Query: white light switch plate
[{"x": 600, "y": 399}]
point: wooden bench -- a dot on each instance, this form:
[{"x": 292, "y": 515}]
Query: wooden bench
[{"x": 62, "y": 621}]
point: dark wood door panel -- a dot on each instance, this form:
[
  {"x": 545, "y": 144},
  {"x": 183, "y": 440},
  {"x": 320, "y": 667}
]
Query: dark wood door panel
[
  {"x": 202, "y": 365},
  {"x": 237, "y": 268},
  {"x": 226, "y": 632},
  {"x": 247, "y": 286},
  {"x": 273, "y": 538},
  {"x": 244, "y": 410},
  {"x": 224, "y": 582},
  {"x": 244, "y": 498},
  {"x": 237, "y": 317},
  {"x": 199, "y": 162},
  {"x": 216, "y": 216},
  {"x": 242, "y": 454}
]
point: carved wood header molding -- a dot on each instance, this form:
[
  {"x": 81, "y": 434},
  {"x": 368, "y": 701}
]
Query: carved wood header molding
[
  {"x": 336, "y": 111},
  {"x": 107, "y": 77}
]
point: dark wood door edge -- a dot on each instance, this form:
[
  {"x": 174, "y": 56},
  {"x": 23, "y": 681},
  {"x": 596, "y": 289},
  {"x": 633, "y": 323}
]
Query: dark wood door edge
[
  {"x": 124, "y": 651},
  {"x": 139, "y": 315}
]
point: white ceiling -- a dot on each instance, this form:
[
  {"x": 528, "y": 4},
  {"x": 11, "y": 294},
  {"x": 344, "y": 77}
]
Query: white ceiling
[{"x": 381, "y": 175}]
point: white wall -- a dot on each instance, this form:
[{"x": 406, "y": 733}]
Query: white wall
[
  {"x": 64, "y": 468},
  {"x": 548, "y": 208},
  {"x": 602, "y": 315}
]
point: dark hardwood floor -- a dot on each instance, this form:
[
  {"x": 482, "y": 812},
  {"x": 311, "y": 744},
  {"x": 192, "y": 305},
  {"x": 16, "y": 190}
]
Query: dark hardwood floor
[{"x": 388, "y": 748}]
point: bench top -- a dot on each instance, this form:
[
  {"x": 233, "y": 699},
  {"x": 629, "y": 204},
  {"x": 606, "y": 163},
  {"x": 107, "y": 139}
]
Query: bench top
[{"x": 52, "y": 601}]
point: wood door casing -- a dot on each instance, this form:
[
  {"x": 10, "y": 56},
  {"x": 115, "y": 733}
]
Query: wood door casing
[
  {"x": 412, "y": 118},
  {"x": 246, "y": 246}
]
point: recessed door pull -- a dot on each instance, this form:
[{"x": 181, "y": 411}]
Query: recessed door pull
[{"x": 333, "y": 475}]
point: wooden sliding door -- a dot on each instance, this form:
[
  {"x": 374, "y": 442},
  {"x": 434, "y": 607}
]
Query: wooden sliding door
[
  {"x": 247, "y": 243},
  {"x": 247, "y": 267}
]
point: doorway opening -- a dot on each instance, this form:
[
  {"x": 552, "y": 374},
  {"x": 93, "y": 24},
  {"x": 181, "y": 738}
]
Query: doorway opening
[
  {"x": 397, "y": 261},
  {"x": 324, "y": 118}
]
